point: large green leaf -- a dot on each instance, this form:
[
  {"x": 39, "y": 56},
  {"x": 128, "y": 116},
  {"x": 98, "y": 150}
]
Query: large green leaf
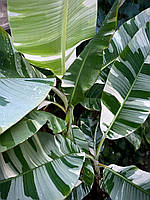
[
  {"x": 48, "y": 31},
  {"x": 84, "y": 71},
  {"x": 126, "y": 96},
  {"x": 44, "y": 167},
  {"x": 126, "y": 183},
  {"x": 20, "y": 89}
]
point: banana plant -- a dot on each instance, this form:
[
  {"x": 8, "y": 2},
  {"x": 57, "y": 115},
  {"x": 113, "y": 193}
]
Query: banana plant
[{"x": 43, "y": 156}]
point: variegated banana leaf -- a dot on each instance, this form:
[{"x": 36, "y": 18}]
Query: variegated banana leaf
[
  {"x": 126, "y": 96},
  {"x": 84, "y": 71},
  {"x": 123, "y": 36},
  {"x": 48, "y": 31},
  {"x": 121, "y": 39},
  {"x": 44, "y": 167},
  {"x": 27, "y": 127},
  {"x": 20, "y": 89},
  {"x": 126, "y": 183}
]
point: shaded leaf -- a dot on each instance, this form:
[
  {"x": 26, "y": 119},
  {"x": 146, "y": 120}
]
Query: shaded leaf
[{"x": 93, "y": 97}]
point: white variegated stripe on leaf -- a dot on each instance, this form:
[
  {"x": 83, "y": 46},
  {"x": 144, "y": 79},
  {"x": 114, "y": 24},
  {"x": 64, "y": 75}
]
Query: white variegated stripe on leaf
[
  {"x": 126, "y": 97},
  {"x": 49, "y": 33},
  {"x": 40, "y": 168},
  {"x": 27, "y": 127},
  {"x": 124, "y": 34},
  {"x": 124, "y": 183},
  {"x": 79, "y": 138}
]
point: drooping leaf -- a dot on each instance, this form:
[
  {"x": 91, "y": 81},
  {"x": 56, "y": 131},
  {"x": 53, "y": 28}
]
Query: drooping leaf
[
  {"x": 93, "y": 97},
  {"x": 27, "y": 127},
  {"x": 47, "y": 32},
  {"x": 84, "y": 71},
  {"x": 126, "y": 183},
  {"x": 20, "y": 89},
  {"x": 20, "y": 132},
  {"x": 44, "y": 167},
  {"x": 126, "y": 97}
]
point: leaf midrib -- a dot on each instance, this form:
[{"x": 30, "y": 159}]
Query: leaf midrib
[
  {"x": 63, "y": 35},
  {"x": 117, "y": 114},
  {"x": 127, "y": 180},
  {"x": 32, "y": 169}
]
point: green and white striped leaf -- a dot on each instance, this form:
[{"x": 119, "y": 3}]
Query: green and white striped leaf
[
  {"x": 27, "y": 127},
  {"x": 125, "y": 183},
  {"x": 79, "y": 138},
  {"x": 44, "y": 167},
  {"x": 21, "y": 131},
  {"x": 20, "y": 89},
  {"x": 123, "y": 36},
  {"x": 84, "y": 71},
  {"x": 121, "y": 39},
  {"x": 48, "y": 31},
  {"x": 92, "y": 99},
  {"x": 126, "y": 97}
]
